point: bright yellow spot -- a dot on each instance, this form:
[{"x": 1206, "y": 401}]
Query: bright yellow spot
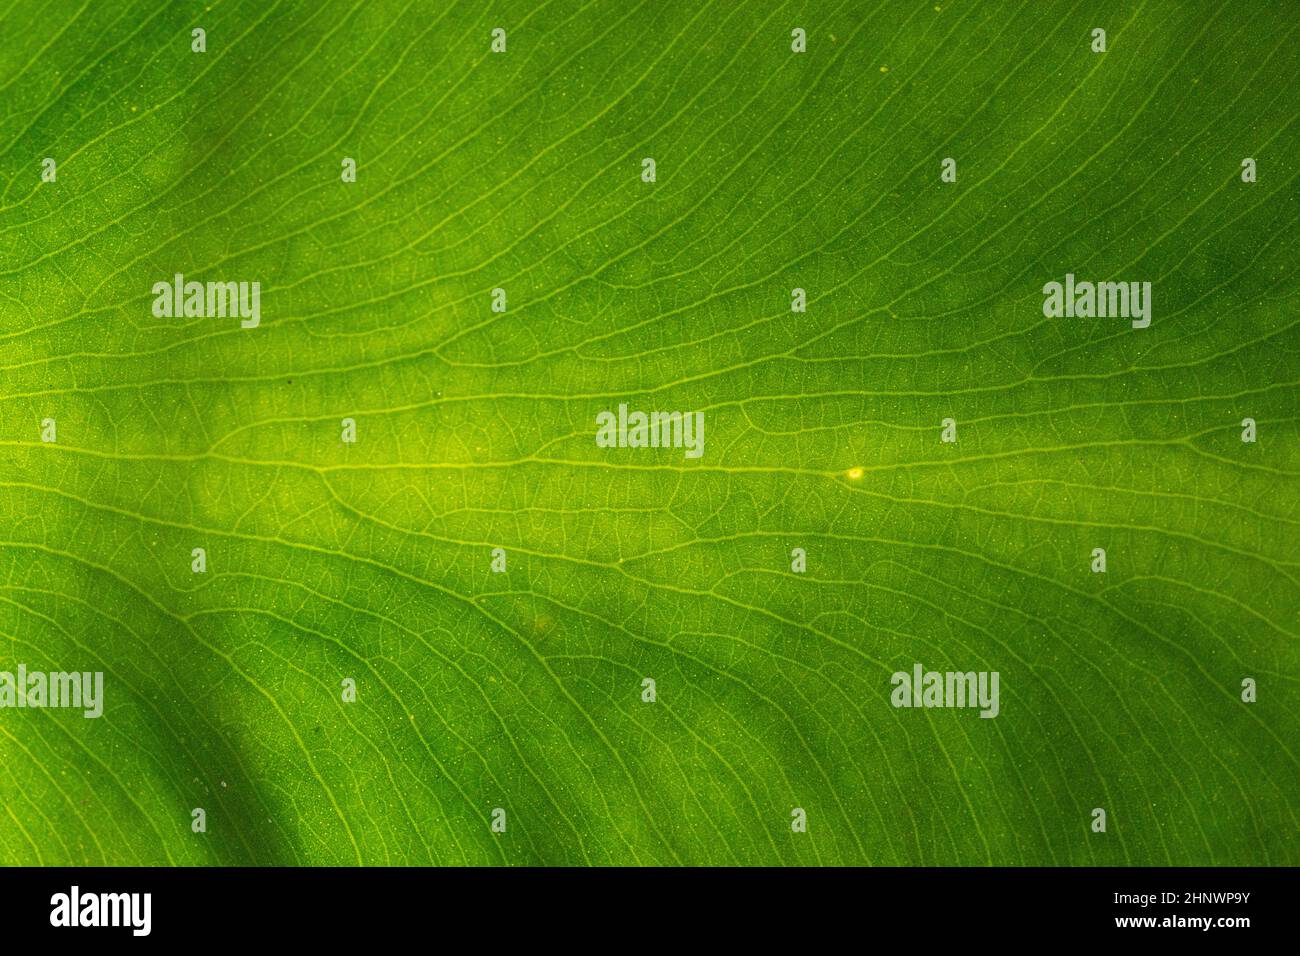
[
  {"x": 884, "y": 69},
  {"x": 938, "y": 9},
  {"x": 855, "y": 473}
]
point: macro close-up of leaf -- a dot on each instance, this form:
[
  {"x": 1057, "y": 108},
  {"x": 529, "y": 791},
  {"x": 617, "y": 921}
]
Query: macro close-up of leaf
[{"x": 367, "y": 584}]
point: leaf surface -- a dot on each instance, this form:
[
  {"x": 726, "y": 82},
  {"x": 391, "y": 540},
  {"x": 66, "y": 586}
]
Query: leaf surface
[{"x": 522, "y": 690}]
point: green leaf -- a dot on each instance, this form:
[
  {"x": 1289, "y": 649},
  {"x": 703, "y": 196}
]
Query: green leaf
[{"x": 475, "y": 430}]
